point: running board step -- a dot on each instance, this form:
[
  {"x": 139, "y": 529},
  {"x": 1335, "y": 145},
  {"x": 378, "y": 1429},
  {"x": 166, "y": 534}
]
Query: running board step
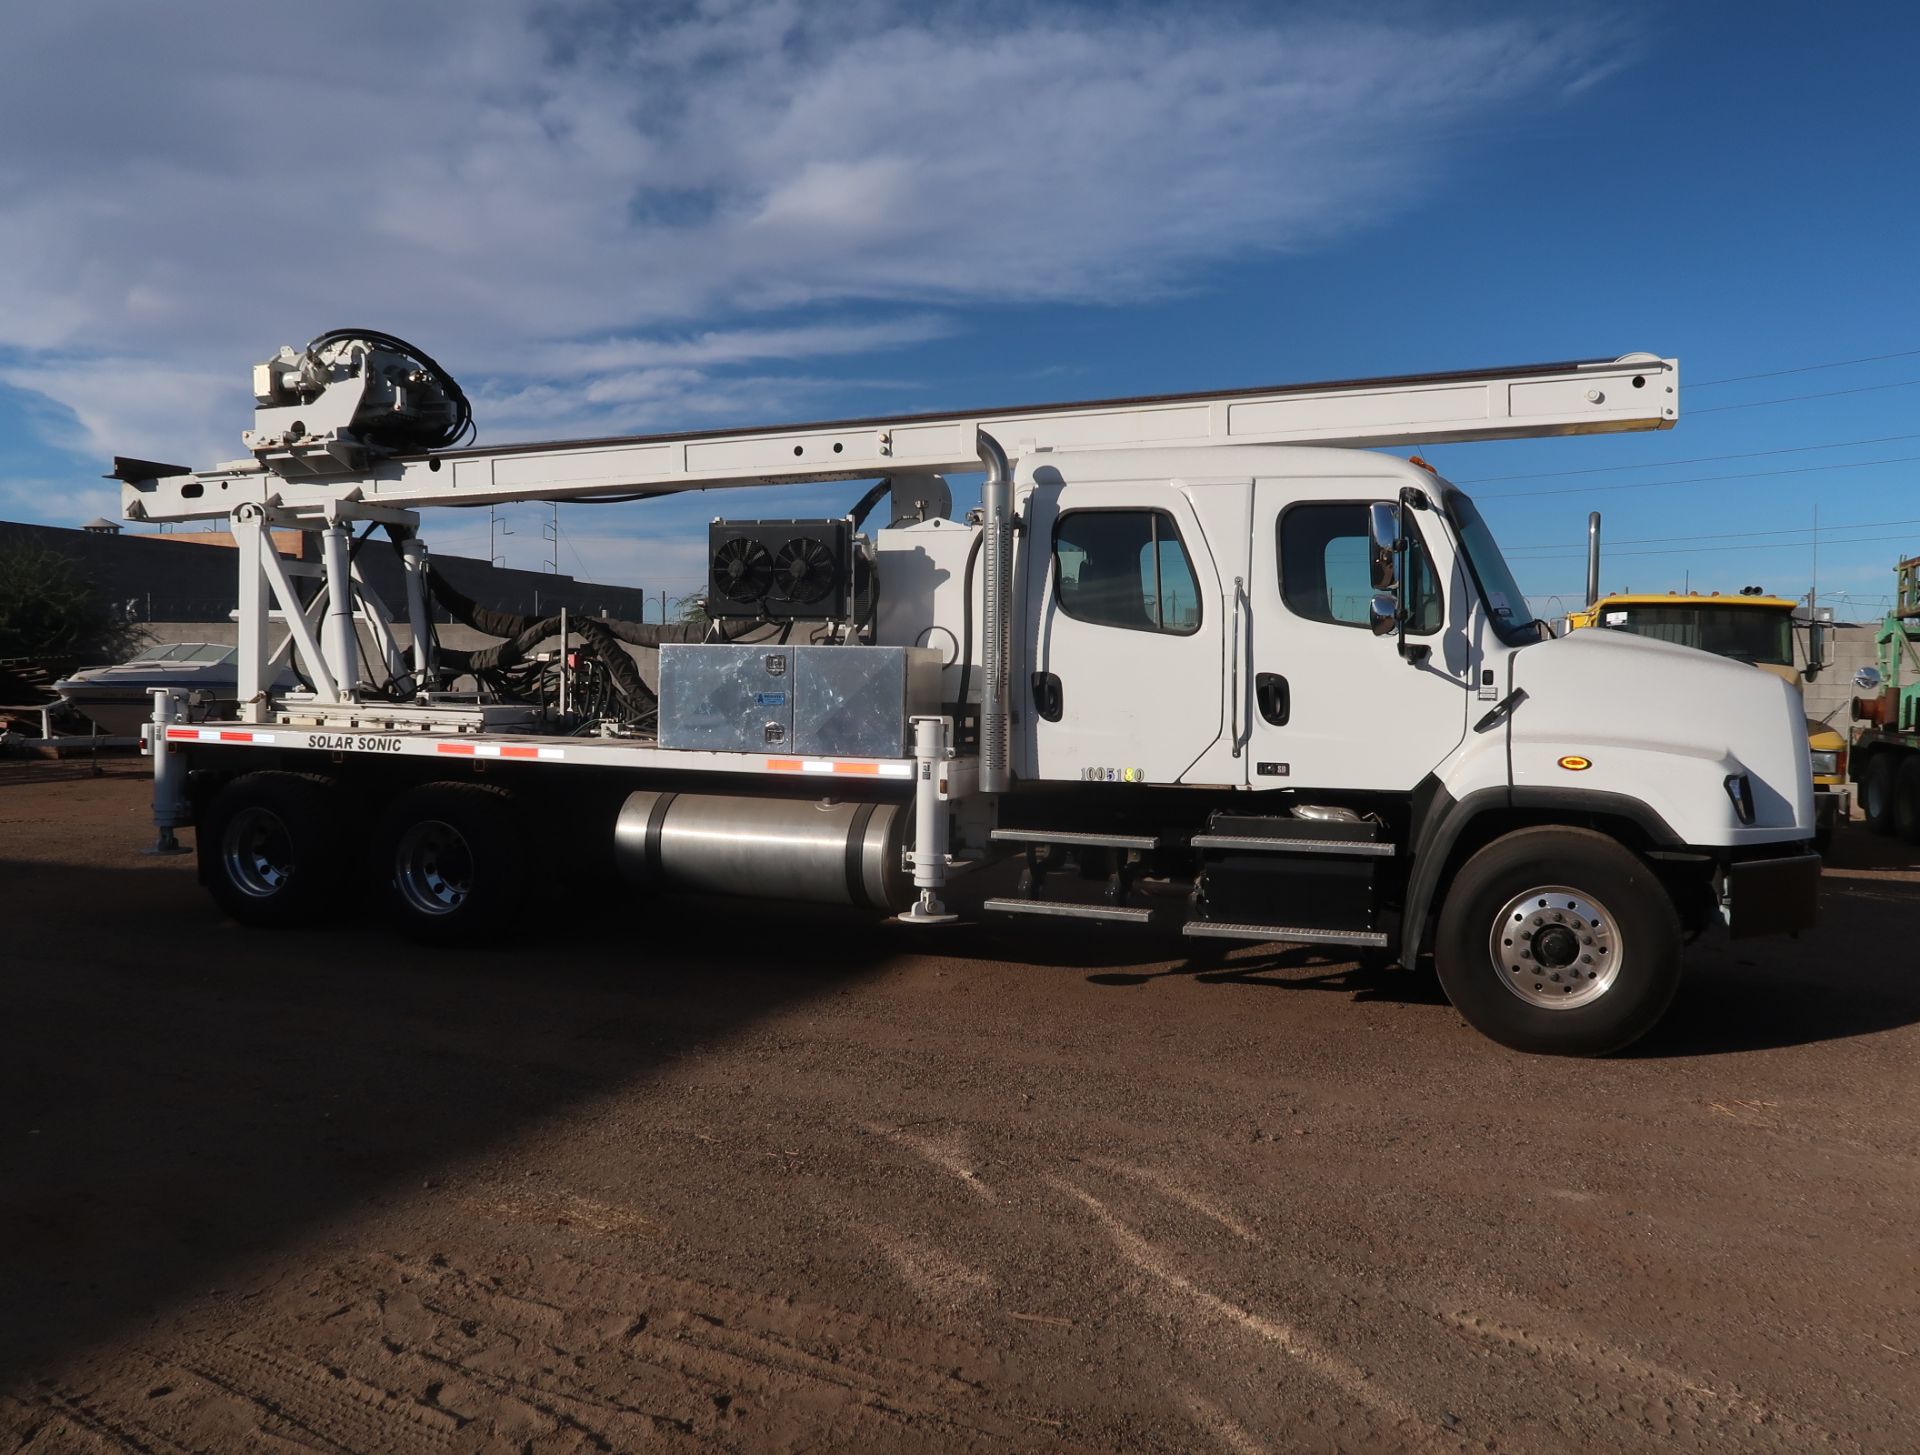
[
  {"x": 1074, "y": 838},
  {"x": 1110, "y": 913},
  {"x": 1291, "y": 934},
  {"x": 1259, "y": 844}
]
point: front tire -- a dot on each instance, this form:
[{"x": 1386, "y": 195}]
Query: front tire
[
  {"x": 270, "y": 848},
  {"x": 453, "y": 861},
  {"x": 1559, "y": 941}
]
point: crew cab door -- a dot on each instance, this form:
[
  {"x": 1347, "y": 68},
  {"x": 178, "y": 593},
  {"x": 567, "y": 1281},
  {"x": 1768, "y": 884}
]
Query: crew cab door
[
  {"x": 1124, "y": 639},
  {"x": 1330, "y": 705}
]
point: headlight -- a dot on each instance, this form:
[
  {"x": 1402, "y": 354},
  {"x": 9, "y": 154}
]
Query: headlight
[
  {"x": 1740, "y": 790},
  {"x": 1826, "y": 765}
]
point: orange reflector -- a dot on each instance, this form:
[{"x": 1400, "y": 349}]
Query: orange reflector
[{"x": 1574, "y": 763}]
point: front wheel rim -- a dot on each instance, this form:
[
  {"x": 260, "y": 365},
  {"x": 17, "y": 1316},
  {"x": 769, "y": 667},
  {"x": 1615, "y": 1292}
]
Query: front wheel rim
[
  {"x": 1556, "y": 948},
  {"x": 257, "y": 851},
  {"x": 433, "y": 868}
]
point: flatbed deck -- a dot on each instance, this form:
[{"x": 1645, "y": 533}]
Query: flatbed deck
[{"x": 639, "y": 754}]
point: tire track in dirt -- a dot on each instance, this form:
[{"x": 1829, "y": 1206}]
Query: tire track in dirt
[
  {"x": 101, "y": 1424},
  {"x": 1618, "y": 1378},
  {"x": 1600, "y": 1360},
  {"x": 344, "y": 1411},
  {"x": 1310, "y": 1353},
  {"x": 718, "y": 1349}
]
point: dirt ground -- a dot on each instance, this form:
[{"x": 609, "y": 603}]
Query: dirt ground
[{"x": 666, "y": 1178}]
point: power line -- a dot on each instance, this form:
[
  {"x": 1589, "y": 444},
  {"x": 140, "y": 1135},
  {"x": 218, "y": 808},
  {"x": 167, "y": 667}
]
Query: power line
[
  {"x": 1721, "y": 534},
  {"x": 1701, "y": 479},
  {"x": 1796, "y": 398},
  {"x": 1701, "y": 550},
  {"x": 1805, "y": 369},
  {"x": 1885, "y": 439}
]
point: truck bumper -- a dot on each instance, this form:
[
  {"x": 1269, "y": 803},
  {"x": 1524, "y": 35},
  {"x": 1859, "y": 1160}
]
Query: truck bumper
[{"x": 1771, "y": 896}]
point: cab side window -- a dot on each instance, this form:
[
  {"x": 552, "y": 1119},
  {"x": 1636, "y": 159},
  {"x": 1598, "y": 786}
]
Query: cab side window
[
  {"x": 1125, "y": 568},
  {"x": 1324, "y": 576}
]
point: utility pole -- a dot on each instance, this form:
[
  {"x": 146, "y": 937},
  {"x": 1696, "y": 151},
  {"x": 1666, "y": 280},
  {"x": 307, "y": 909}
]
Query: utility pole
[
  {"x": 1813, "y": 594},
  {"x": 495, "y": 557},
  {"x": 552, "y": 532}
]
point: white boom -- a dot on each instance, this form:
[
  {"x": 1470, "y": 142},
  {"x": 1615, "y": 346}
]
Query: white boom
[
  {"x": 1633, "y": 392},
  {"x": 331, "y": 425}
]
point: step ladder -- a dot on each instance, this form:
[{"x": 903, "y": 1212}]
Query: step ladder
[
  {"x": 1037, "y": 843},
  {"x": 1312, "y": 869}
]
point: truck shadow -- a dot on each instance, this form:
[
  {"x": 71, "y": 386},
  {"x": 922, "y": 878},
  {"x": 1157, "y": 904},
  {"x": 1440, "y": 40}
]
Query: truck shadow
[
  {"x": 179, "y": 1095},
  {"x": 1848, "y": 977},
  {"x": 1295, "y": 967}
]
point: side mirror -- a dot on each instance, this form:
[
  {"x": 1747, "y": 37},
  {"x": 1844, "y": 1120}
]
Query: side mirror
[
  {"x": 1383, "y": 529},
  {"x": 1383, "y": 614},
  {"x": 1816, "y": 648},
  {"x": 1867, "y": 679}
]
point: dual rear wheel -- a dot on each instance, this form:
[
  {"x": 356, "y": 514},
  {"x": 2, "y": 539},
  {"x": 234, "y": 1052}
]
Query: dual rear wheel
[{"x": 448, "y": 860}]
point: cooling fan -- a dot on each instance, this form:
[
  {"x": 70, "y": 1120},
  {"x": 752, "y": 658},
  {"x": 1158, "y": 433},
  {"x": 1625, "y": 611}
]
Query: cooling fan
[
  {"x": 804, "y": 571},
  {"x": 782, "y": 570},
  {"x": 742, "y": 571}
]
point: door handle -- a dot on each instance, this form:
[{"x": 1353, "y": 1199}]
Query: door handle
[
  {"x": 1273, "y": 697},
  {"x": 1047, "y": 700}
]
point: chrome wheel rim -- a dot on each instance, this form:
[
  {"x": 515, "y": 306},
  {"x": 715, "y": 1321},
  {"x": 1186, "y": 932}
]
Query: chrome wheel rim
[
  {"x": 1556, "y": 948},
  {"x": 433, "y": 867},
  {"x": 257, "y": 851}
]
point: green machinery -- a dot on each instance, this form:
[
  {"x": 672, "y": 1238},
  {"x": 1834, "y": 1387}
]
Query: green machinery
[{"x": 1886, "y": 754}]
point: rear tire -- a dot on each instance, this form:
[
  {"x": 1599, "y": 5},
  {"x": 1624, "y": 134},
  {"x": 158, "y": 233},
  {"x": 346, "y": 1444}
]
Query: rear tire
[
  {"x": 453, "y": 863},
  {"x": 1559, "y": 941},
  {"x": 271, "y": 849},
  {"x": 1906, "y": 799},
  {"x": 1876, "y": 791}
]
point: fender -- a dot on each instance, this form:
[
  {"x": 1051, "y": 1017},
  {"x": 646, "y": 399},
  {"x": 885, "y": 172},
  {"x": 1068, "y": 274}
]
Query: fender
[{"x": 1440, "y": 819}]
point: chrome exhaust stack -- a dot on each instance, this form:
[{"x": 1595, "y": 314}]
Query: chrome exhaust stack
[{"x": 996, "y": 549}]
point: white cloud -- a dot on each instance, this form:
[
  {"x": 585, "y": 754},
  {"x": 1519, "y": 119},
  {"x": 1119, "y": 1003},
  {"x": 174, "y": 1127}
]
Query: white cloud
[{"x": 598, "y": 217}]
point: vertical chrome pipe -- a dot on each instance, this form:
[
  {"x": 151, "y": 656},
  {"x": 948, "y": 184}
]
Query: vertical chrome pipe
[
  {"x": 996, "y": 550},
  {"x": 929, "y": 823},
  {"x": 171, "y": 808},
  {"x": 1593, "y": 559},
  {"x": 250, "y": 537},
  {"x": 339, "y": 641},
  {"x": 413, "y": 556}
]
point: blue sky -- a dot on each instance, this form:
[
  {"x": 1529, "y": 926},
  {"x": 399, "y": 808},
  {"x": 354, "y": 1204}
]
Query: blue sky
[{"x": 633, "y": 218}]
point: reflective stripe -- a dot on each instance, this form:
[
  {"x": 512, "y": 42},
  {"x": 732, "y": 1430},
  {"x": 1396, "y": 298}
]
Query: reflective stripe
[
  {"x": 501, "y": 750},
  {"x": 844, "y": 769}
]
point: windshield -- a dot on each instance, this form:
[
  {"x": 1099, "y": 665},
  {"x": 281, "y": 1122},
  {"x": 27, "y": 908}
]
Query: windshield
[
  {"x": 1745, "y": 633},
  {"x": 1506, "y": 606},
  {"x": 184, "y": 652}
]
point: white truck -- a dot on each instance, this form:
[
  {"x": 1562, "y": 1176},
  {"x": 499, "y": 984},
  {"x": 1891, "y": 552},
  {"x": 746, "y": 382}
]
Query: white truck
[{"x": 1198, "y": 664}]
